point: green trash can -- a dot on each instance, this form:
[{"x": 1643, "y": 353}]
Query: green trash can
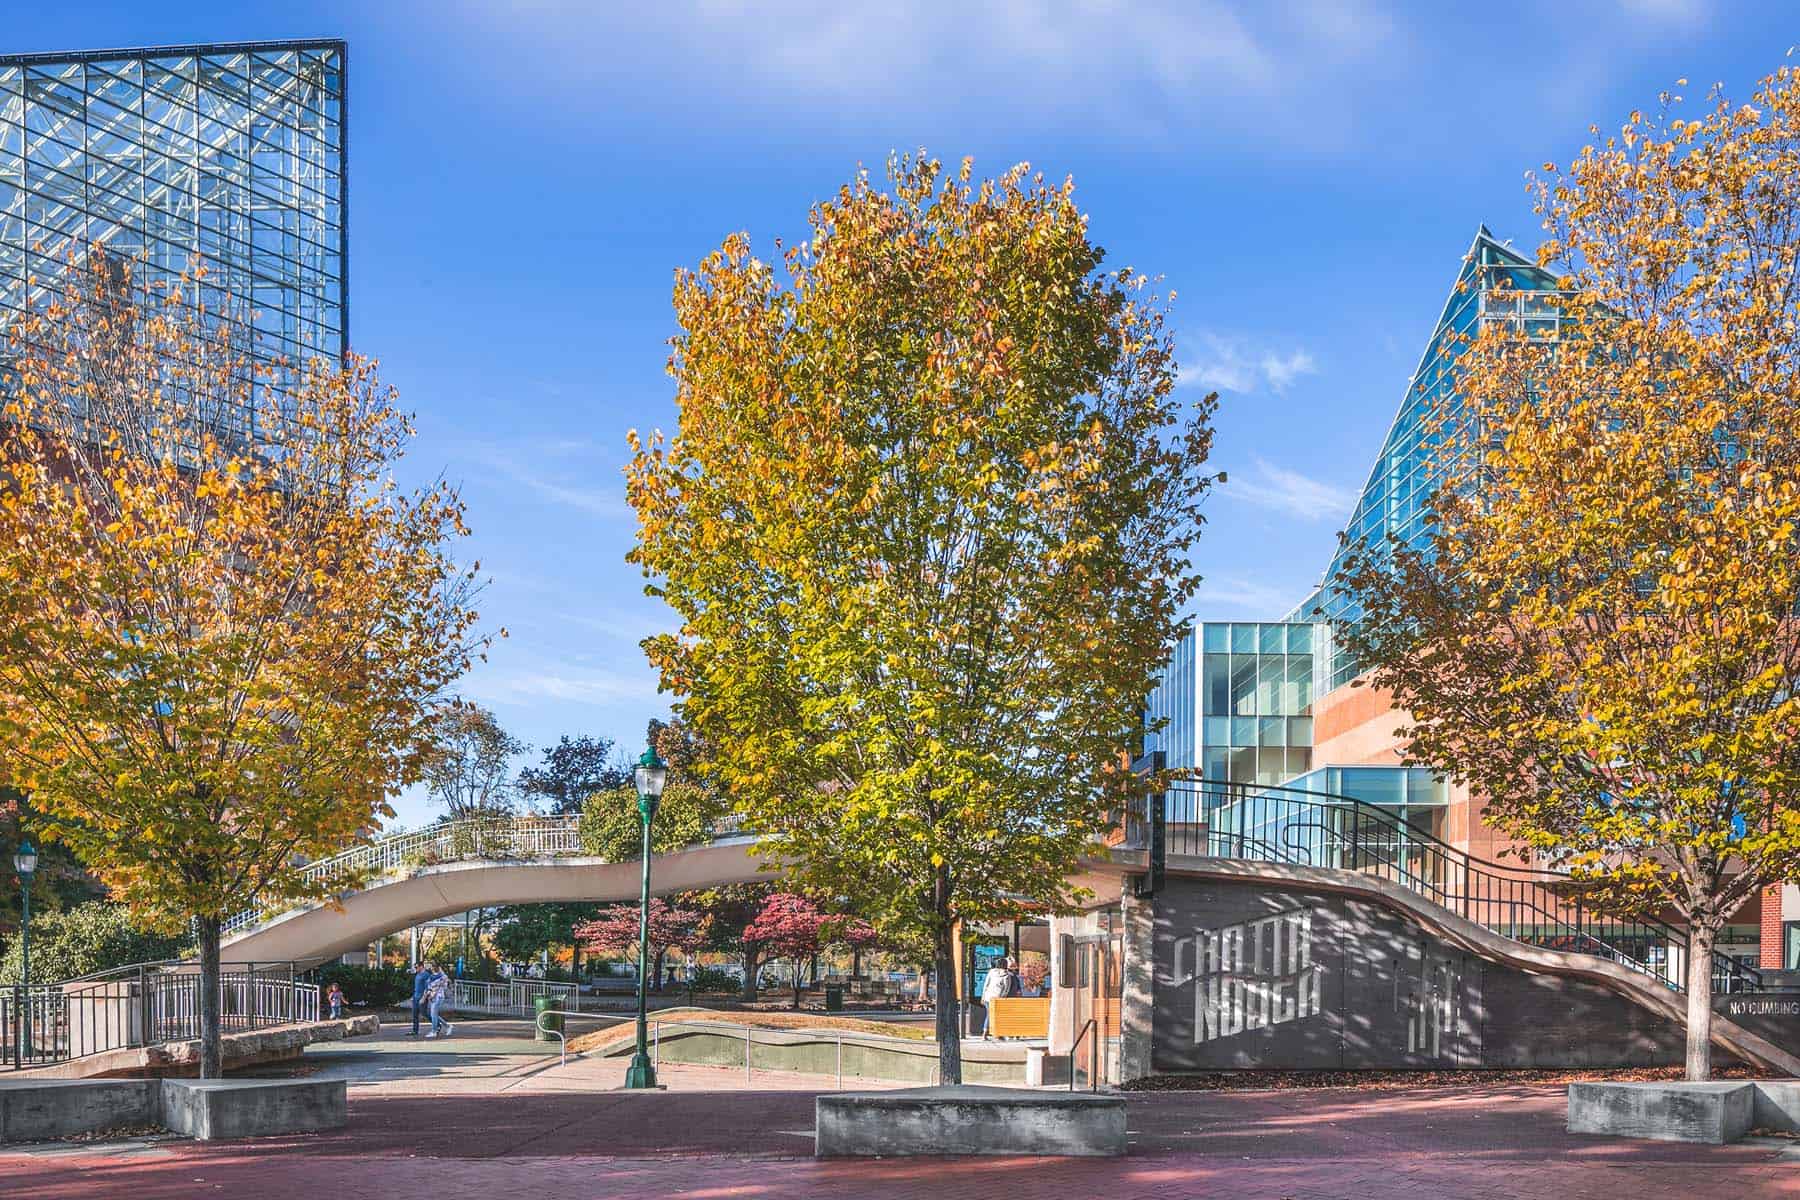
[
  {"x": 545, "y": 1024},
  {"x": 834, "y": 997}
]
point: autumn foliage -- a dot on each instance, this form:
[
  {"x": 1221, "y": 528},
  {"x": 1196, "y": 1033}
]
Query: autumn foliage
[
  {"x": 1601, "y": 636},
  {"x": 221, "y": 620},
  {"x": 926, "y": 522}
]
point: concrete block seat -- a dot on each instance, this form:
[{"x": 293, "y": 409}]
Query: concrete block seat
[
  {"x": 205, "y": 1109},
  {"x": 1714, "y": 1113},
  {"x": 35, "y": 1110},
  {"x": 968, "y": 1120}
]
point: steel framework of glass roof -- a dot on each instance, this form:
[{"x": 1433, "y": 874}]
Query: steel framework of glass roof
[
  {"x": 230, "y": 156},
  {"x": 1496, "y": 284}
]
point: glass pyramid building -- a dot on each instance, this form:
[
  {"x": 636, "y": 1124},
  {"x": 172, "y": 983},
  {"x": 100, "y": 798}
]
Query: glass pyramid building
[
  {"x": 1237, "y": 701},
  {"x": 231, "y": 156},
  {"x": 1495, "y": 284}
]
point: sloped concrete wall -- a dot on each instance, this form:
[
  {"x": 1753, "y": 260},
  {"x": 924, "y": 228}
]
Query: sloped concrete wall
[{"x": 1249, "y": 975}]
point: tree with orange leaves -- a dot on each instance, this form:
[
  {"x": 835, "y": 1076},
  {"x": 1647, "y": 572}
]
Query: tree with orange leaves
[
  {"x": 927, "y": 523},
  {"x": 221, "y": 619},
  {"x": 1600, "y": 635}
]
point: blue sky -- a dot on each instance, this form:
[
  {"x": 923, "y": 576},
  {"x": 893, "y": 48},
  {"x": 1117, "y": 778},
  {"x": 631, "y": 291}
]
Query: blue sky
[{"x": 526, "y": 176}]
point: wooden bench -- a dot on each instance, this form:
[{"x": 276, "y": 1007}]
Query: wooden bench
[{"x": 1020, "y": 1017}]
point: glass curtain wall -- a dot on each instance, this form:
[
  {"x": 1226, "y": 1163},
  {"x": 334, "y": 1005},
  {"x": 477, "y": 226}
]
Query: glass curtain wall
[
  {"x": 1495, "y": 285},
  {"x": 1256, "y": 699},
  {"x": 227, "y": 157}
]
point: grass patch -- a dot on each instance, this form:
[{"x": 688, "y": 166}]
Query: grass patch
[{"x": 605, "y": 1039}]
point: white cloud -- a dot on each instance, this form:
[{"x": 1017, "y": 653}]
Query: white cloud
[
  {"x": 1244, "y": 594},
  {"x": 530, "y": 466},
  {"x": 1136, "y": 66},
  {"x": 1289, "y": 492},
  {"x": 1234, "y": 364},
  {"x": 1670, "y": 12},
  {"x": 565, "y": 684}
]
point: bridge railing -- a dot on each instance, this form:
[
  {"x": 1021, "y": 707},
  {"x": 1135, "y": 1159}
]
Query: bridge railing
[
  {"x": 474, "y": 837},
  {"x": 487, "y": 837},
  {"x": 1298, "y": 827},
  {"x": 142, "y": 1005}
]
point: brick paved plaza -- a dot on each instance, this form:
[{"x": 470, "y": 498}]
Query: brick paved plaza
[{"x": 488, "y": 1115}]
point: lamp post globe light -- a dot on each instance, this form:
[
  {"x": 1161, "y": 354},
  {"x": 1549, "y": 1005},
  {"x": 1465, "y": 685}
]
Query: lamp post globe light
[
  {"x": 651, "y": 774},
  {"x": 25, "y": 861}
]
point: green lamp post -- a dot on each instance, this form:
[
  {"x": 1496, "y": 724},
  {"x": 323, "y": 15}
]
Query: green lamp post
[
  {"x": 25, "y": 862},
  {"x": 651, "y": 775}
]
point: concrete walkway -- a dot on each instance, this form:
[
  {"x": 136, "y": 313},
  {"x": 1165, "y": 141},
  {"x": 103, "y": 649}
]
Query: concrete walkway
[
  {"x": 488, "y": 1113},
  {"x": 1468, "y": 1144}
]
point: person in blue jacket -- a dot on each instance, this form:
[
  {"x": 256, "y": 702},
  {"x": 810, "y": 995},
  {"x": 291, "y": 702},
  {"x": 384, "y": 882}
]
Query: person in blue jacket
[{"x": 421, "y": 981}]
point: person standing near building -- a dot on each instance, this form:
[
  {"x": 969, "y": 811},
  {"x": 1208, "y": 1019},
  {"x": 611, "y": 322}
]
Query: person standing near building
[
  {"x": 421, "y": 981},
  {"x": 996, "y": 986}
]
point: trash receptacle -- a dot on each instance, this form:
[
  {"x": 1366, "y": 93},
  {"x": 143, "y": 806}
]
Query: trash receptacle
[
  {"x": 834, "y": 997},
  {"x": 554, "y": 1021}
]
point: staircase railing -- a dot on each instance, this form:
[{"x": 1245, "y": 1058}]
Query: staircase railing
[
  {"x": 144, "y": 1004},
  {"x": 1293, "y": 826}
]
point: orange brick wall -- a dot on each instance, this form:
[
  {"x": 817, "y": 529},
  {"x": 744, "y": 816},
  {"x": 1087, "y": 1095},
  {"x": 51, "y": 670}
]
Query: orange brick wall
[{"x": 1769, "y": 953}]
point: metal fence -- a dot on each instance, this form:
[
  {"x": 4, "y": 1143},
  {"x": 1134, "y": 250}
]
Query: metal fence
[
  {"x": 143, "y": 1005},
  {"x": 511, "y": 995},
  {"x": 1266, "y": 823}
]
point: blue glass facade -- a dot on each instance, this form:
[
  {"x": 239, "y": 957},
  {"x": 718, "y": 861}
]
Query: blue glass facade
[
  {"x": 1495, "y": 284},
  {"x": 231, "y": 158},
  {"x": 1236, "y": 700}
]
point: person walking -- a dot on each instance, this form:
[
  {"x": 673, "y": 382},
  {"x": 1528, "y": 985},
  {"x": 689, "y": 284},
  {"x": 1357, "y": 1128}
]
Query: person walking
[
  {"x": 421, "y": 981},
  {"x": 334, "y": 996},
  {"x": 438, "y": 997}
]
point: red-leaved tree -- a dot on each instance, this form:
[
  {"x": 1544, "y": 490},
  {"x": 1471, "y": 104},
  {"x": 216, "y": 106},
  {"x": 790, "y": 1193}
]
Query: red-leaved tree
[
  {"x": 671, "y": 928},
  {"x": 793, "y": 927}
]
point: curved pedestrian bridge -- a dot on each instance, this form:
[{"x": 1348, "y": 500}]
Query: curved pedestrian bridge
[{"x": 400, "y": 881}]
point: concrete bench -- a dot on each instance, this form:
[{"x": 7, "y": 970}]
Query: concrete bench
[
  {"x": 1714, "y": 1113},
  {"x": 968, "y": 1120},
  {"x": 204, "y": 1109}
]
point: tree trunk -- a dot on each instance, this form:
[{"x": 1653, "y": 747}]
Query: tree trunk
[
  {"x": 657, "y": 975},
  {"x": 1699, "y": 1003},
  {"x": 949, "y": 1020},
  {"x": 796, "y": 983},
  {"x": 575, "y": 964},
  {"x": 752, "y": 960},
  {"x": 211, "y": 1050}
]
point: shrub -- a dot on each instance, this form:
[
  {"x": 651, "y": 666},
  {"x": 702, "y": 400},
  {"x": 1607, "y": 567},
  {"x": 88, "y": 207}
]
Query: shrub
[
  {"x": 376, "y": 987},
  {"x": 715, "y": 979},
  {"x": 96, "y": 936}
]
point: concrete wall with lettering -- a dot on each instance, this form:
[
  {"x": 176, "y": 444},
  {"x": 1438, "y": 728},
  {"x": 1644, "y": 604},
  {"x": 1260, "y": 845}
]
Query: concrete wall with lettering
[
  {"x": 1252, "y": 976},
  {"x": 1773, "y": 1014}
]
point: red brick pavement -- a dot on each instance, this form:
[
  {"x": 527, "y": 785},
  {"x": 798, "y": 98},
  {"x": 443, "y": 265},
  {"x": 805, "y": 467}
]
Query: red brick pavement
[{"x": 1475, "y": 1144}]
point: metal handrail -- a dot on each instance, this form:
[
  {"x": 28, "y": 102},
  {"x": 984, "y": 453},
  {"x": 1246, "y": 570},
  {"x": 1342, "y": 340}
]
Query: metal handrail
[
  {"x": 560, "y": 1036},
  {"x": 1494, "y": 895},
  {"x": 1091, "y": 1026}
]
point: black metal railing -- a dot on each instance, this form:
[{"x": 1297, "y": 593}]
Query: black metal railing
[
  {"x": 142, "y": 1005},
  {"x": 1297, "y": 827}
]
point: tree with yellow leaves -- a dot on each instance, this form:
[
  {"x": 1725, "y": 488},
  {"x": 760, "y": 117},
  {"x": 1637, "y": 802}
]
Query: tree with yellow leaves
[
  {"x": 221, "y": 619},
  {"x": 1601, "y": 634},
  {"x": 926, "y": 522}
]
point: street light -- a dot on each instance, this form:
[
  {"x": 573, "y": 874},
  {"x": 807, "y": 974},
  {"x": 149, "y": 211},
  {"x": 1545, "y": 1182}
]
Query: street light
[
  {"x": 651, "y": 775},
  {"x": 25, "y": 863}
]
